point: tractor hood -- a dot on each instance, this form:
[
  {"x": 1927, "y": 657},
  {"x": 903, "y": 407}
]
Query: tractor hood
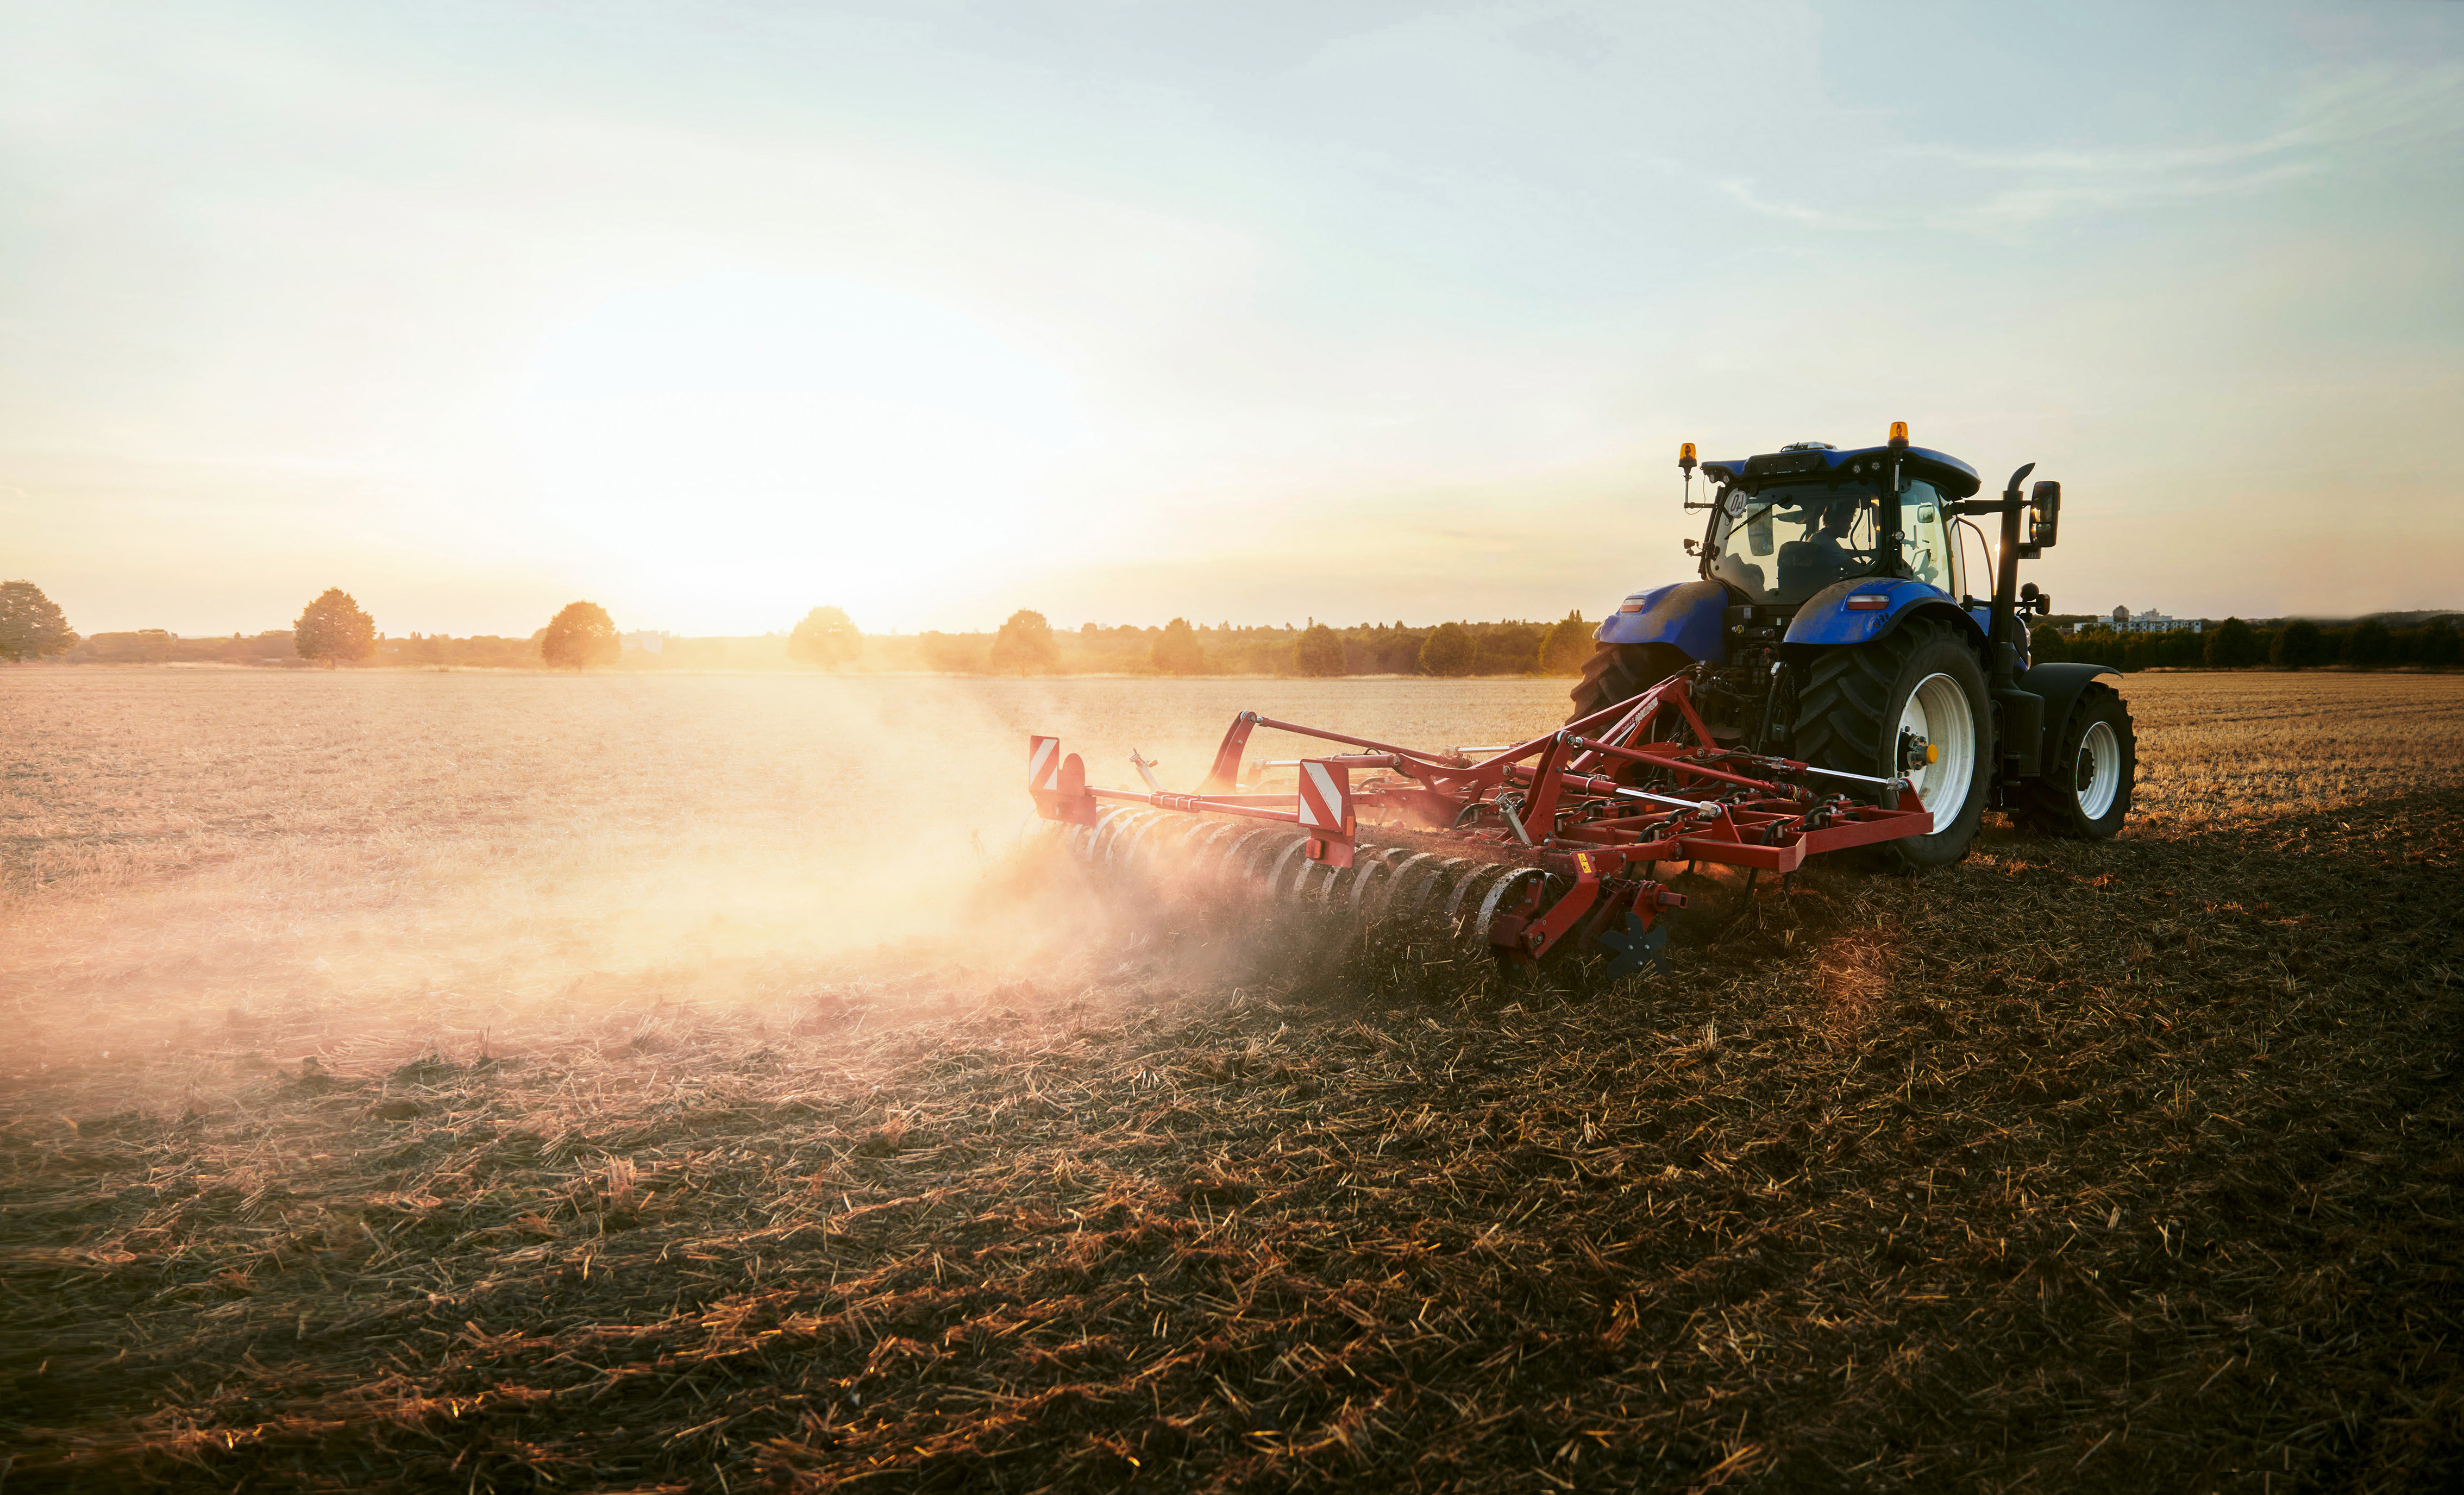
[
  {"x": 1686, "y": 614},
  {"x": 1951, "y": 477}
]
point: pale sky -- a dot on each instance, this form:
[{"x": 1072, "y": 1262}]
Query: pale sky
[{"x": 714, "y": 312}]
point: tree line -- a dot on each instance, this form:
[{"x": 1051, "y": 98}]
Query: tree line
[
  {"x": 1027, "y": 644},
  {"x": 2294, "y": 644},
  {"x": 333, "y": 629}
]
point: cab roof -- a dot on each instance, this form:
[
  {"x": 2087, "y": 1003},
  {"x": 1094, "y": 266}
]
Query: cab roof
[{"x": 1950, "y": 475}]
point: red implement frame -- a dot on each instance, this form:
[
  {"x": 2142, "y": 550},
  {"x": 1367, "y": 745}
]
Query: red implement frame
[{"x": 1569, "y": 804}]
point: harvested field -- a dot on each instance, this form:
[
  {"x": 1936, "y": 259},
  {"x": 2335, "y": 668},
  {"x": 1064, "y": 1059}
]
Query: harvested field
[{"x": 507, "y": 1083}]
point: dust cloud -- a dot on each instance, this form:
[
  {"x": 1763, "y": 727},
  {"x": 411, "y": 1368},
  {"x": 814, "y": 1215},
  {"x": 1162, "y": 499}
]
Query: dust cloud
[{"x": 221, "y": 870}]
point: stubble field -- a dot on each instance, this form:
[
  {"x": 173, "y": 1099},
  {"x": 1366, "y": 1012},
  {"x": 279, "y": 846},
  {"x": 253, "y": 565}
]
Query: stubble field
[{"x": 503, "y": 1082}]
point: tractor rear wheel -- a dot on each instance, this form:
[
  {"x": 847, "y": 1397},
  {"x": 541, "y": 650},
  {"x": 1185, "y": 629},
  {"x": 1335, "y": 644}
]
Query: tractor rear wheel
[
  {"x": 1910, "y": 704},
  {"x": 1621, "y": 672},
  {"x": 2089, "y": 776}
]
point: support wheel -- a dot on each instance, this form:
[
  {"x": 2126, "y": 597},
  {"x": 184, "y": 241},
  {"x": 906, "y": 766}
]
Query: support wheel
[
  {"x": 1621, "y": 672},
  {"x": 1910, "y": 704},
  {"x": 2088, "y": 774}
]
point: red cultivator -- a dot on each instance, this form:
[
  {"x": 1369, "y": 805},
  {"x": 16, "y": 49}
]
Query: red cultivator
[{"x": 1549, "y": 845}]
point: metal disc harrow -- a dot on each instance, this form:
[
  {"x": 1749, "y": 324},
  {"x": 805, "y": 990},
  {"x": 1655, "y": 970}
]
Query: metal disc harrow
[{"x": 1537, "y": 848}]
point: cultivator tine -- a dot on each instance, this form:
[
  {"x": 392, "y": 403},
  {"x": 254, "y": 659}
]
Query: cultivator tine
[
  {"x": 1122, "y": 828},
  {"x": 1376, "y": 871},
  {"x": 1462, "y": 890},
  {"x": 1397, "y": 876},
  {"x": 1141, "y": 854},
  {"x": 1502, "y": 888},
  {"x": 1446, "y": 871},
  {"x": 1121, "y": 825},
  {"x": 1290, "y": 853},
  {"x": 1206, "y": 849},
  {"x": 1239, "y": 858}
]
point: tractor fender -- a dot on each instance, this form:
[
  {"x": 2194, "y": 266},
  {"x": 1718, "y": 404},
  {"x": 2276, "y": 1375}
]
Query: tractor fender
[
  {"x": 1826, "y": 618},
  {"x": 1686, "y": 614},
  {"x": 2061, "y": 685}
]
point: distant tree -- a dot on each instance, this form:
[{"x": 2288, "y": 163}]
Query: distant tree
[
  {"x": 2298, "y": 646},
  {"x": 2046, "y": 645},
  {"x": 1321, "y": 651},
  {"x": 2234, "y": 645},
  {"x": 1025, "y": 644},
  {"x": 953, "y": 653},
  {"x": 579, "y": 636},
  {"x": 2094, "y": 644},
  {"x": 2368, "y": 645},
  {"x": 2440, "y": 645},
  {"x": 1510, "y": 648},
  {"x": 31, "y": 626},
  {"x": 140, "y": 647},
  {"x": 1176, "y": 651},
  {"x": 1568, "y": 645},
  {"x": 1449, "y": 650},
  {"x": 826, "y": 639},
  {"x": 333, "y": 629}
]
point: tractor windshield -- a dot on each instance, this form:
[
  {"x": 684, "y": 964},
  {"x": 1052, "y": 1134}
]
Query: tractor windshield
[{"x": 1791, "y": 540}]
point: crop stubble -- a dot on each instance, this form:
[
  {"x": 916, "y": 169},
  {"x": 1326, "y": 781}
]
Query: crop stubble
[{"x": 2134, "y": 1163}]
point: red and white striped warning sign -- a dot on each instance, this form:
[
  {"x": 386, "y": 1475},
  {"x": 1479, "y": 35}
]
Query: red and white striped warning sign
[
  {"x": 1325, "y": 797},
  {"x": 1042, "y": 763}
]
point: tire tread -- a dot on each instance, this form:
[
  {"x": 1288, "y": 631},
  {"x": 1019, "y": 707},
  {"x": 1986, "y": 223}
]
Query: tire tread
[
  {"x": 2040, "y": 807},
  {"x": 1619, "y": 672},
  {"x": 1839, "y": 715}
]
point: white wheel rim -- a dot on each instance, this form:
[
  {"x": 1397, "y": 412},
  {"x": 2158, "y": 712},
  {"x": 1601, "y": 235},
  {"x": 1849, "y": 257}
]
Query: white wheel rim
[
  {"x": 2097, "y": 776},
  {"x": 1938, "y": 711}
]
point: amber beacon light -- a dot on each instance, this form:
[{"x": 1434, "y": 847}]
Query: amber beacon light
[
  {"x": 1685, "y": 455},
  {"x": 1899, "y": 435}
]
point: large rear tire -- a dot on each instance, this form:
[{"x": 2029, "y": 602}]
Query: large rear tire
[
  {"x": 2089, "y": 774},
  {"x": 1876, "y": 708},
  {"x": 1621, "y": 672}
]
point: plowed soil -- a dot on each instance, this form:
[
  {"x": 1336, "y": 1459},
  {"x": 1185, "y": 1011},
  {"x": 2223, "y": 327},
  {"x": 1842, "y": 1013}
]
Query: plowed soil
[{"x": 2133, "y": 1164}]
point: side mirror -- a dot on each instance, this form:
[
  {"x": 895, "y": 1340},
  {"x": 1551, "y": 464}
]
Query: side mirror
[{"x": 2044, "y": 512}]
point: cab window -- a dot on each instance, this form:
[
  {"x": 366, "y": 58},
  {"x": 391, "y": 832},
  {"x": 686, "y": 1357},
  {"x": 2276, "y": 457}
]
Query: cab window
[
  {"x": 1933, "y": 557},
  {"x": 1788, "y": 542}
]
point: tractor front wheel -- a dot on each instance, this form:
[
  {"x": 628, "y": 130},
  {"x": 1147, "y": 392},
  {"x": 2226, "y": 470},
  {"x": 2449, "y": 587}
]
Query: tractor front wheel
[
  {"x": 2088, "y": 774},
  {"x": 1621, "y": 672},
  {"x": 1910, "y": 705}
]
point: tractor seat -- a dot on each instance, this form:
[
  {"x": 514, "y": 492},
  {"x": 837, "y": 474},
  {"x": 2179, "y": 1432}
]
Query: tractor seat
[{"x": 1806, "y": 567}]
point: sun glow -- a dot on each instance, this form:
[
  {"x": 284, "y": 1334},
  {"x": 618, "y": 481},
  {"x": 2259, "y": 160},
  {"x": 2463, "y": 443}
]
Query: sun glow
[{"x": 741, "y": 447}]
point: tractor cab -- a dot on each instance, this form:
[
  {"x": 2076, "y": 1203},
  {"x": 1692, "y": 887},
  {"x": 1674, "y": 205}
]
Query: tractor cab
[{"x": 1789, "y": 525}]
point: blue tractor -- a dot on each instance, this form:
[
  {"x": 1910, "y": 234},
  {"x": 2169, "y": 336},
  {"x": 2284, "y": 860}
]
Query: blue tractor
[{"x": 1832, "y": 622}]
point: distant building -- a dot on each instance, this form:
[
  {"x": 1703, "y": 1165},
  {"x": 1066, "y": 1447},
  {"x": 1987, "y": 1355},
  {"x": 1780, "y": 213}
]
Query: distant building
[
  {"x": 2142, "y": 621},
  {"x": 645, "y": 641},
  {"x": 2148, "y": 621}
]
